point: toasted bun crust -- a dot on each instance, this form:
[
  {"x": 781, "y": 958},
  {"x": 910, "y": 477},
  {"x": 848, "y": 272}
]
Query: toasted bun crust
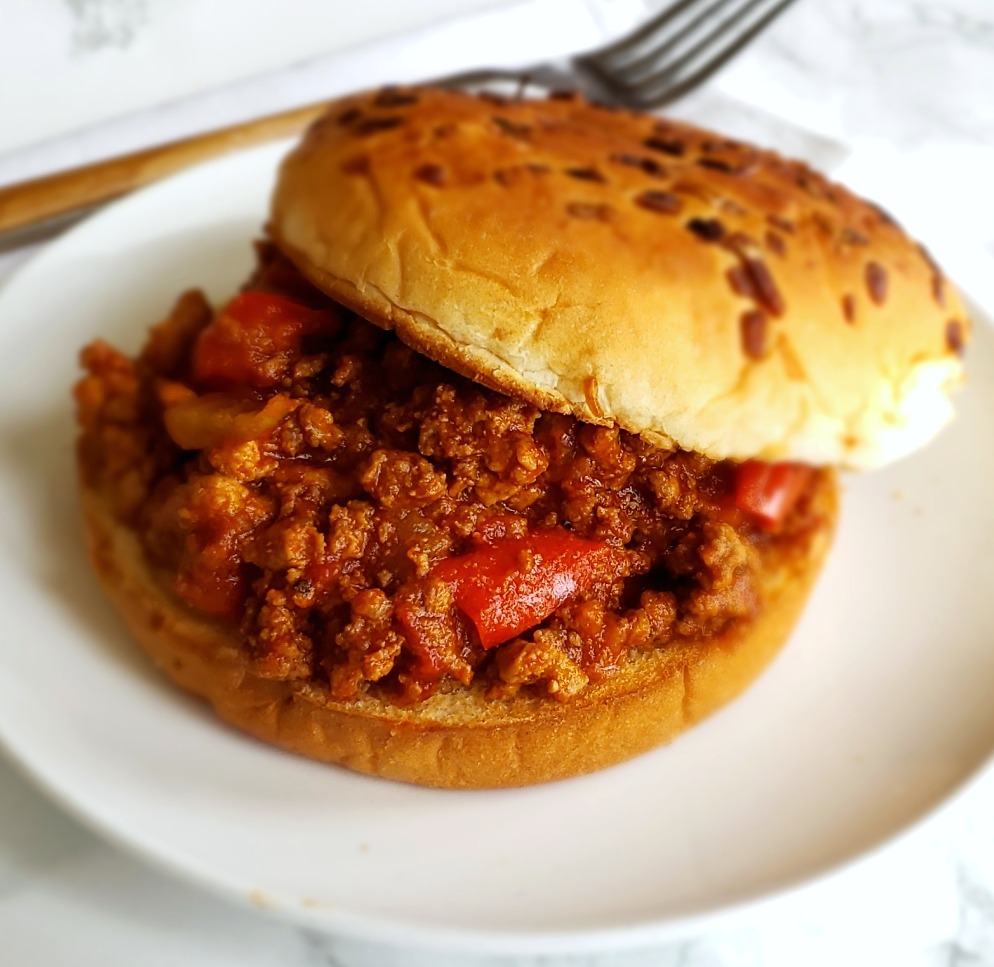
[
  {"x": 458, "y": 739},
  {"x": 571, "y": 256}
]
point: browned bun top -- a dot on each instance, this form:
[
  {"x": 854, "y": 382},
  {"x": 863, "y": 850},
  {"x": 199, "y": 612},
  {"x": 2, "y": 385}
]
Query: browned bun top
[{"x": 627, "y": 269}]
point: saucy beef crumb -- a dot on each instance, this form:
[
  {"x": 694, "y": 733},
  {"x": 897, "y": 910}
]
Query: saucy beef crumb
[{"x": 309, "y": 478}]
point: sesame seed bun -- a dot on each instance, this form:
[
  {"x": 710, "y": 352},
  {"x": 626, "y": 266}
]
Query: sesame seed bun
[{"x": 623, "y": 269}]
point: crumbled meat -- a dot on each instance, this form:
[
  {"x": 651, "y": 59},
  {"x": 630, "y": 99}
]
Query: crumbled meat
[
  {"x": 369, "y": 645},
  {"x": 313, "y": 504},
  {"x": 542, "y": 659},
  {"x": 724, "y": 590},
  {"x": 396, "y": 478}
]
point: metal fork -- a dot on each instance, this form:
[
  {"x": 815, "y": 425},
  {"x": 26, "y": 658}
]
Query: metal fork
[
  {"x": 674, "y": 52},
  {"x": 658, "y": 63}
]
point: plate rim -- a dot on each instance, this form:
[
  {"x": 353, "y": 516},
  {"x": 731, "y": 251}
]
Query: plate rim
[{"x": 398, "y": 932}]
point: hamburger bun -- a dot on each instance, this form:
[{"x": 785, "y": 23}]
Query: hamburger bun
[
  {"x": 629, "y": 272},
  {"x": 624, "y": 269}
]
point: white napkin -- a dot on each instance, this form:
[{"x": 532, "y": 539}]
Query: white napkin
[
  {"x": 497, "y": 33},
  {"x": 65, "y": 66},
  {"x": 511, "y": 33}
]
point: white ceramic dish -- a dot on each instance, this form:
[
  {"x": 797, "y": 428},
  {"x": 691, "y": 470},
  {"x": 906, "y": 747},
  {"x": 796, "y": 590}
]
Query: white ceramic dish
[{"x": 878, "y": 709}]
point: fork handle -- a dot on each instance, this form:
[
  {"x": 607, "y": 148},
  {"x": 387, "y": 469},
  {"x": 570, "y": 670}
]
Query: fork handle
[{"x": 28, "y": 202}]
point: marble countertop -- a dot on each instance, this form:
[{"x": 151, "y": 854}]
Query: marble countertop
[{"x": 905, "y": 83}]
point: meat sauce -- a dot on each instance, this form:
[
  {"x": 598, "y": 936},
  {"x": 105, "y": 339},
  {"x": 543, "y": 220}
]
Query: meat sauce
[{"x": 371, "y": 520}]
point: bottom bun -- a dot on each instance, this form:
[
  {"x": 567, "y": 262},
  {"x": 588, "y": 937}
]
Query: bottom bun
[{"x": 459, "y": 738}]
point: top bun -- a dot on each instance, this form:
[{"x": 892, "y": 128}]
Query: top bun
[{"x": 626, "y": 269}]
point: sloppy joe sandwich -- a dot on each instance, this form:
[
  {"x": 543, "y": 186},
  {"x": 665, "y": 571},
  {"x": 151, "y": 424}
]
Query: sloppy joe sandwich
[{"x": 516, "y": 455}]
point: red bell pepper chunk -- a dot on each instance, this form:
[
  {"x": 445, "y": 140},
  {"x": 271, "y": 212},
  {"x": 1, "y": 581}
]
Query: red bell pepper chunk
[
  {"x": 512, "y": 585},
  {"x": 253, "y": 341},
  {"x": 769, "y": 491}
]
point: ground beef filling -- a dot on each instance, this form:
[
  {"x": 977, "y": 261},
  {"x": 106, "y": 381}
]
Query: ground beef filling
[{"x": 371, "y": 520}]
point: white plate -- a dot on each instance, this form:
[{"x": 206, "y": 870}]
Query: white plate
[{"x": 878, "y": 709}]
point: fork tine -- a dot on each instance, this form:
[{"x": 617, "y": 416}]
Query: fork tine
[
  {"x": 721, "y": 29},
  {"x": 631, "y": 42},
  {"x": 621, "y": 69},
  {"x": 665, "y": 85},
  {"x": 674, "y": 91}
]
